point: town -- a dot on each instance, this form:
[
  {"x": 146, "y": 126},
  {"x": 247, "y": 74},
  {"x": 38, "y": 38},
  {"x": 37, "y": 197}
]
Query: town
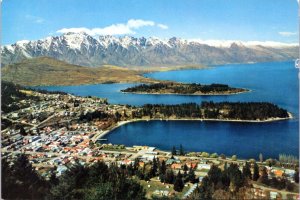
[{"x": 57, "y": 130}]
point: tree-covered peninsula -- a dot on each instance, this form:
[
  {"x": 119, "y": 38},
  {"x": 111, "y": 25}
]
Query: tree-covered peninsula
[
  {"x": 184, "y": 89},
  {"x": 225, "y": 111}
]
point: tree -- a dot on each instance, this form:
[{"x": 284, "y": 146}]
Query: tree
[
  {"x": 205, "y": 189},
  {"x": 255, "y": 172},
  {"x": 264, "y": 176},
  {"x": 261, "y": 157},
  {"x": 225, "y": 166},
  {"x": 225, "y": 179},
  {"x": 170, "y": 177},
  {"x": 237, "y": 179},
  {"x": 154, "y": 167},
  {"x": 296, "y": 176},
  {"x": 162, "y": 168},
  {"x": 191, "y": 176},
  {"x": 289, "y": 186},
  {"x": 214, "y": 174},
  {"x": 247, "y": 171},
  {"x": 181, "y": 151},
  {"x": 22, "y": 131},
  {"x": 173, "y": 151},
  {"x": 185, "y": 168},
  {"x": 178, "y": 184},
  {"x": 22, "y": 182},
  {"x": 234, "y": 158}
]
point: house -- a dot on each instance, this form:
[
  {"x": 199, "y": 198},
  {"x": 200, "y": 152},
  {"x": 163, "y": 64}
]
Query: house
[
  {"x": 273, "y": 195},
  {"x": 61, "y": 169},
  {"x": 141, "y": 164},
  {"x": 203, "y": 166},
  {"x": 289, "y": 172},
  {"x": 278, "y": 173},
  {"x": 176, "y": 166},
  {"x": 170, "y": 161},
  {"x": 191, "y": 165}
]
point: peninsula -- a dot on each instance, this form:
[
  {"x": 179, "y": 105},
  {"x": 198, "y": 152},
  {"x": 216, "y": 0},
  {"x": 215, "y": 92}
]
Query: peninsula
[{"x": 184, "y": 89}]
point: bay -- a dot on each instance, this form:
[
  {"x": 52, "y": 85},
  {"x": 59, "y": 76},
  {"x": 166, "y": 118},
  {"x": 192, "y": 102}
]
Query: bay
[{"x": 272, "y": 82}]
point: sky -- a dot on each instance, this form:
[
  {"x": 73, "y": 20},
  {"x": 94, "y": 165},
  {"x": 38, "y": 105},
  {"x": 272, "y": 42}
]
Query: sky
[{"x": 245, "y": 20}]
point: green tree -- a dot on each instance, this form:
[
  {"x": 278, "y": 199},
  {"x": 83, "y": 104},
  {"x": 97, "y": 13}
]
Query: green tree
[
  {"x": 154, "y": 167},
  {"x": 22, "y": 131},
  {"x": 214, "y": 174},
  {"x": 234, "y": 158},
  {"x": 261, "y": 158},
  {"x": 173, "y": 151},
  {"x": 181, "y": 151},
  {"x": 178, "y": 184},
  {"x": 296, "y": 176},
  {"x": 162, "y": 168},
  {"x": 205, "y": 190},
  {"x": 264, "y": 176},
  {"x": 191, "y": 176},
  {"x": 247, "y": 171},
  {"x": 170, "y": 177},
  {"x": 185, "y": 168},
  {"x": 22, "y": 182},
  {"x": 255, "y": 172}
]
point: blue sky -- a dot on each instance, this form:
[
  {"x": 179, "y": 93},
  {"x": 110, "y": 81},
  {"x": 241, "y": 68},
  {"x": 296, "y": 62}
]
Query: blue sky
[{"x": 247, "y": 20}]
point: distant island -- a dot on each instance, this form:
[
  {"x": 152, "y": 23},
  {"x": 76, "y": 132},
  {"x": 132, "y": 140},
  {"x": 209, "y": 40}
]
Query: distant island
[{"x": 184, "y": 89}]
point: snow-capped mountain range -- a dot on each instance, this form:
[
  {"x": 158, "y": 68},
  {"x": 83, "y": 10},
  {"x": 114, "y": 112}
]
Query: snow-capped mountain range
[{"x": 83, "y": 49}]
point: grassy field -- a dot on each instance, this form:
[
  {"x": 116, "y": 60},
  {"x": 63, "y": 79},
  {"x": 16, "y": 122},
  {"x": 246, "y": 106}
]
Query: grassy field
[
  {"x": 48, "y": 71},
  {"x": 157, "y": 185}
]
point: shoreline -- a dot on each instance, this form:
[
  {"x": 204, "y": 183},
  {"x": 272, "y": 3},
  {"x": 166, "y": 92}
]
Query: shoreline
[
  {"x": 121, "y": 123},
  {"x": 221, "y": 94}
]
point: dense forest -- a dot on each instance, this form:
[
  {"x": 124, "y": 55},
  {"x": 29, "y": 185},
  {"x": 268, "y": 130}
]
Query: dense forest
[
  {"x": 183, "y": 88},
  {"x": 21, "y": 181},
  {"x": 211, "y": 110}
]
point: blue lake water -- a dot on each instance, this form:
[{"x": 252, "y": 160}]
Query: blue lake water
[{"x": 271, "y": 82}]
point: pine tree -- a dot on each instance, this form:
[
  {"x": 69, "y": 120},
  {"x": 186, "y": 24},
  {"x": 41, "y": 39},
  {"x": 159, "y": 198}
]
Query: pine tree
[
  {"x": 181, "y": 151},
  {"x": 22, "y": 131},
  {"x": 162, "y": 168},
  {"x": 173, "y": 151},
  {"x": 169, "y": 177},
  {"x": 261, "y": 159},
  {"x": 296, "y": 176},
  {"x": 178, "y": 184},
  {"x": 264, "y": 177},
  {"x": 191, "y": 176},
  {"x": 255, "y": 172},
  {"x": 154, "y": 167},
  {"x": 185, "y": 168},
  {"x": 214, "y": 174},
  {"x": 247, "y": 171}
]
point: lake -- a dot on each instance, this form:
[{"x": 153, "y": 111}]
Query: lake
[{"x": 272, "y": 82}]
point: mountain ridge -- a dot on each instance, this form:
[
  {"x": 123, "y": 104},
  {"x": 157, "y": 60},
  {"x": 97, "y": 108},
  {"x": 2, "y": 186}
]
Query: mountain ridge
[{"x": 83, "y": 49}]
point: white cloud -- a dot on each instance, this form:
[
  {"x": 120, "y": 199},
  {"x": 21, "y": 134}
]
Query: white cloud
[
  {"x": 287, "y": 34},
  {"x": 35, "y": 19},
  {"x": 137, "y": 23},
  {"x": 115, "y": 29},
  {"x": 162, "y": 26},
  {"x": 228, "y": 43}
]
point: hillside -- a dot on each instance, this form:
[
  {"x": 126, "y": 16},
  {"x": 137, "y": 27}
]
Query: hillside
[
  {"x": 48, "y": 71},
  {"x": 85, "y": 50}
]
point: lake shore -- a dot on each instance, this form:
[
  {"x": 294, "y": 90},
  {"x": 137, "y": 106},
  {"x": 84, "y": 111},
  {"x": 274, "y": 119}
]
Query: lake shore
[
  {"x": 121, "y": 123},
  {"x": 199, "y": 94}
]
